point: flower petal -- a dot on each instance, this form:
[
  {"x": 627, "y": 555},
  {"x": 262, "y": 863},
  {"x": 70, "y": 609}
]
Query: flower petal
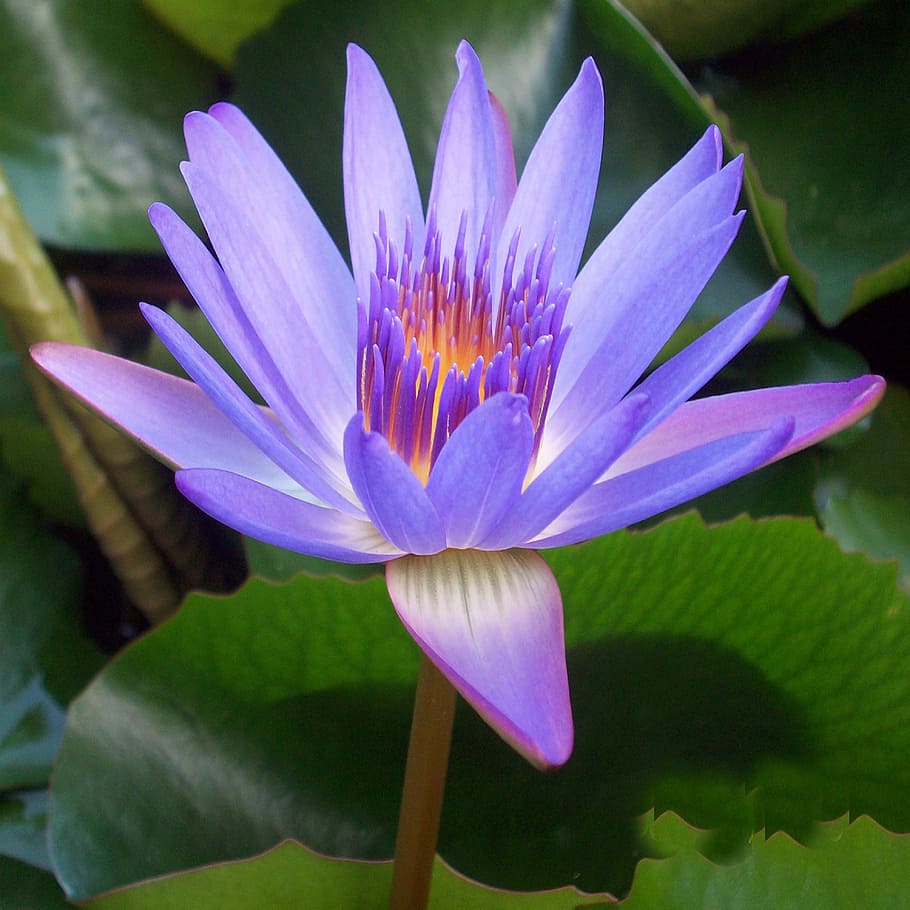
[
  {"x": 390, "y": 492},
  {"x": 559, "y": 180},
  {"x": 570, "y": 475},
  {"x": 378, "y": 172},
  {"x": 321, "y": 380},
  {"x": 818, "y": 409},
  {"x": 492, "y": 623},
  {"x": 320, "y": 288},
  {"x": 171, "y": 417},
  {"x": 263, "y": 512},
  {"x": 312, "y": 264},
  {"x": 660, "y": 485},
  {"x": 249, "y": 419},
  {"x": 683, "y": 375},
  {"x": 216, "y": 298},
  {"x": 466, "y": 167},
  {"x": 699, "y": 163},
  {"x": 506, "y": 182},
  {"x": 648, "y": 300},
  {"x": 480, "y": 470}
]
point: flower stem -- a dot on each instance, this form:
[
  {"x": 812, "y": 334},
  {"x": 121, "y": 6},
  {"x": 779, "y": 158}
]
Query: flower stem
[{"x": 424, "y": 784}]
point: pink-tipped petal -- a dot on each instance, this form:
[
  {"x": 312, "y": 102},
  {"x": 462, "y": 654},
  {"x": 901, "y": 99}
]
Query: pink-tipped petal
[
  {"x": 378, "y": 173},
  {"x": 390, "y": 492},
  {"x": 265, "y": 513},
  {"x": 465, "y": 171},
  {"x": 558, "y": 183},
  {"x": 479, "y": 472},
  {"x": 661, "y": 485},
  {"x": 818, "y": 409},
  {"x": 571, "y": 474},
  {"x": 171, "y": 417},
  {"x": 492, "y": 623}
]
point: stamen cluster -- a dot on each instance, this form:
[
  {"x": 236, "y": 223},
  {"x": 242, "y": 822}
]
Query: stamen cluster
[{"x": 432, "y": 348}]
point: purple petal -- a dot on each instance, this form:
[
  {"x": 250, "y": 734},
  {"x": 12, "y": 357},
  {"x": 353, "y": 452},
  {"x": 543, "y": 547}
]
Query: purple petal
[
  {"x": 216, "y": 298},
  {"x": 171, "y": 417},
  {"x": 390, "y": 492},
  {"x": 322, "y": 381},
  {"x": 480, "y": 470},
  {"x": 702, "y": 160},
  {"x": 682, "y": 376},
  {"x": 660, "y": 485},
  {"x": 466, "y": 168},
  {"x": 378, "y": 173},
  {"x": 642, "y": 307},
  {"x": 570, "y": 474},
  {"x": 311, "y": 262},
  {"x": 818, "y": 409},
  {"x": 558, "y": 183},
  {"x": 265, "y": 513},
  {"x": 251, "y": 420},
  {"x": 506, "y": 182},
  {"x": 492, "y": 623}
]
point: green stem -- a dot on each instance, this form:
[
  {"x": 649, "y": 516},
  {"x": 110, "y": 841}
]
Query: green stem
[{"x": 424, "y": 785}]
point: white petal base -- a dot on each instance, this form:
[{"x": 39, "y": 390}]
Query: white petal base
[{"x": 492, "y": 622}]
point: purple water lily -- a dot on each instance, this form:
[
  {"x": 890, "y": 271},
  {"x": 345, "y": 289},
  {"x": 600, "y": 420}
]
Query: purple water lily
[{"x": 464, "y": 399}]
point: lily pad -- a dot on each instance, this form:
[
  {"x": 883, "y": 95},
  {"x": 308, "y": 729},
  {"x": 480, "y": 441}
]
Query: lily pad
[
  {"x": 737, "y": 673},
  {"x": 827, "y": 154},
  {"x": 45, "y": 657},
  {"x": 216, "y": 27},
  {"x": 90, "y": 115}
]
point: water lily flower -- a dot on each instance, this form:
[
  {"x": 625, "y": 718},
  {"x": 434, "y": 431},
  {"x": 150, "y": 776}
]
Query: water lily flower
[{"x": 462, "y": 396}]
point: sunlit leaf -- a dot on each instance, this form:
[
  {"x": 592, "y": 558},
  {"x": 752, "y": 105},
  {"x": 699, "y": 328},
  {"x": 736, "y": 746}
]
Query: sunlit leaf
[{"x": 705, "y": 664}]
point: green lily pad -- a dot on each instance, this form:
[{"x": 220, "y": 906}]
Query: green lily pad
[
  {"x": 45, "y": 657},
  {"x": 23, "y": 887},
  {"x": 695, "y": 30},
  {"x": 847, "y": 866},
  {"x": 875, "y": 524},
  {"x": 716, "y": 670},
  {"x": 290, "y": 876},
  {"x": 90, "y": 115},
  {"x": 216, "y": 27},
  {"x": 827, "y": 154},
  {"x": 23, "y": 824}
]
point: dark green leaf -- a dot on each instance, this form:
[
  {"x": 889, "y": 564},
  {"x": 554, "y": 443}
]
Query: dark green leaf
[
  {"x": 706, "y": 664},
  {"x": 90, "y": 114},
  {"x": 44, "y": 655},
  {"x": 23, "y": 887},
  {"x": 23, "y": 823},
  {"x": 828, "y": 154}
]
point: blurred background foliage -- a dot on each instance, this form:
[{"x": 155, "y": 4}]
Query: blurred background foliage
[{"x": 741, "y": 679}]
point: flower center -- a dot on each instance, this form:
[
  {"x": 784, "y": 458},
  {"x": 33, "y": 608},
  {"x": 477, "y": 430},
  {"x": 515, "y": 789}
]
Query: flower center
[{"x": 431, "y": 348}]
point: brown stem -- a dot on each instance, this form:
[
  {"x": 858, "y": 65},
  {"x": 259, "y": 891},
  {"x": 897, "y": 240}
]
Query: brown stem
[{"x": 424, "y": 785}]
